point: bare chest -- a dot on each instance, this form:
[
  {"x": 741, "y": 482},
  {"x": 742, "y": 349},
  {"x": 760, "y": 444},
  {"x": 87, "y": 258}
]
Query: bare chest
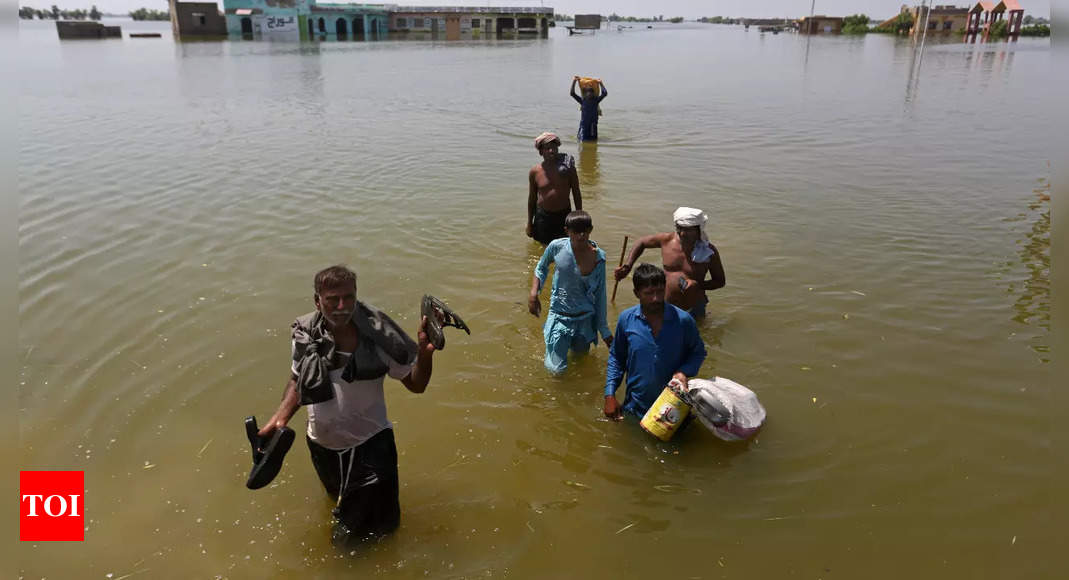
[
  {"x": 676, "y": 260},
  {"x": 550, "y": 178}
]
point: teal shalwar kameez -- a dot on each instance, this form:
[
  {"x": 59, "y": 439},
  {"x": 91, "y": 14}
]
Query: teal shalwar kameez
[{"x": 576, "y": 304}]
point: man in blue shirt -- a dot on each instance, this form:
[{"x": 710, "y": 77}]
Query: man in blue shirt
[{"x": 655, "y": 342}]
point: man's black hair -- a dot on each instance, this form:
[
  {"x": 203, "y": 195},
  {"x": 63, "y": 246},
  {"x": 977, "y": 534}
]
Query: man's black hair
[
  {"x": 646, "y": 275},
  {"x": 578, "y": 221}
]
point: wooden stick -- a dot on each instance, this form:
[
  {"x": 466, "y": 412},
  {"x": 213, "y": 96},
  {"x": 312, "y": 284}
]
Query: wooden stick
[{"x": 623, "y": 252}]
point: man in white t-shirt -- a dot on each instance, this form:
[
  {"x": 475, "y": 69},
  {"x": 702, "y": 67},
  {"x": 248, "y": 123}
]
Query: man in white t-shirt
[{"x": 342, "y": 353}]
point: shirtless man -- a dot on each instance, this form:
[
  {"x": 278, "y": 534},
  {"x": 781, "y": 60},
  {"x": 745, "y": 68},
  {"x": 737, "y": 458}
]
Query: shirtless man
[
  {"x": 691, "y": 264},
  {"x": 551, "y": 182}
]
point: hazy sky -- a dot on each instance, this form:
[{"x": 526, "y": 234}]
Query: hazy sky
[{"x": 686, "y": 8}]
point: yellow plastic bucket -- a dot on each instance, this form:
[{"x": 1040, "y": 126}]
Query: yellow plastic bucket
[{"x": 665, "y": 415}]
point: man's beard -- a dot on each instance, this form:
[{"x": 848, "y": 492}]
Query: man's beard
[
  {"x": 337, "y": 317},
  {"x": 654, "y": 308}
]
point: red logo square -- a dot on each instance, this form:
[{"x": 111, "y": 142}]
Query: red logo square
[{"x": 52, "y": 506}]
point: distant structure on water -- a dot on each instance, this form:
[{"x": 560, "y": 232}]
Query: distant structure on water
[
  {"x": 820, "y": 25},
  {"x": 971, "y": 22},
  {"x": 585, "y": 22},
  {"x": 68, "y": 29},
  {"x": 196, "y": 19},
  {"x": 983, "y": 15},
  {"x": 942, "y": 19},
  {"x": 310, "y": 20}
]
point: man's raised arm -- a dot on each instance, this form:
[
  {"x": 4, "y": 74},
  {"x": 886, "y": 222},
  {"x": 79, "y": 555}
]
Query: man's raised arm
[{"x": 651, "y": 241}]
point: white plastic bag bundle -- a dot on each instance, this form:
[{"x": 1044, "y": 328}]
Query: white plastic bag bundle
[{"x": 728, "y": 409}]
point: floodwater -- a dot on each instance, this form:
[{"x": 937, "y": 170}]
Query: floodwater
[{"x": 882, "y": 216}]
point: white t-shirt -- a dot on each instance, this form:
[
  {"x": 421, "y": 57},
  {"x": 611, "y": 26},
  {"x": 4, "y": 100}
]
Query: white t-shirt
[{"x": 358, "y": 410}]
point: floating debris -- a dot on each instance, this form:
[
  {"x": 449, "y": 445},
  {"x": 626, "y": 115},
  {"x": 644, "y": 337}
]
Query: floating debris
[
  {"x": 625, "y": 528},
  {"x": 205, "y": 447},
  {"x": 668, "y": 488},
  {"x": 858, "y": 293},
  {"x": 576, "y": 484}
]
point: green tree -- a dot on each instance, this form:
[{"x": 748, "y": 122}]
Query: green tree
[
  {"x": 901, "y": 25},
  {"x": 94, "y": 14},
  {"x": 998, "y": 30},
  {"x": 27, "y": 13},
  {"x": 856, "y": 24},
  {"x": 1035, "y": 30},
  {"x": 676, "y": 19},
  {"x": 55, "y": 12}
]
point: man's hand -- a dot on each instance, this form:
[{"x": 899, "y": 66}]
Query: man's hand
[
  {"x": 621, "y": 272},
  {"x": 530, "y": 231},
  {"x": 425, "y": 346},
  {"x": 272, "y": 425},
  {"x": 612, "y": 408},
  {"x": 608, "y": 341},
  {"x": 682, "y": 378},
  {"x": 534, "y": 305}
]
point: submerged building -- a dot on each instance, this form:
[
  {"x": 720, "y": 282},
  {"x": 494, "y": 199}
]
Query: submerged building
[
  {"x": 310, "y": 19},
  {"x": 820, "y": 25}
]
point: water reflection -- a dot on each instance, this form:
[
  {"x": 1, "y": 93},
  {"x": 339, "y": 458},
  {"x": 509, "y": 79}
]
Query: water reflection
[
  {"x": 589, "y": 166},
  {"x": 1032, "y": 306},
  {"x": 913, "y": 78}
]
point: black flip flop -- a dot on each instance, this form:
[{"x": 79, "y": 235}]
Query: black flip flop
[
  {"x": 267, "y": 453},
  {"x": 439, "y": 315}
]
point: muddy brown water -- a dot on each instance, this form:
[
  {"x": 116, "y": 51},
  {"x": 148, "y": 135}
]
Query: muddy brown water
[{"x": 882, "y": 226}]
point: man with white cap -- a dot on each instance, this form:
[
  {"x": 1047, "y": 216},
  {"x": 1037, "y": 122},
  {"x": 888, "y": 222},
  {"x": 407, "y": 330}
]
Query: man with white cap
[
  {"x": 550, "y": 185},
  {"x": 691, "y": 264}
]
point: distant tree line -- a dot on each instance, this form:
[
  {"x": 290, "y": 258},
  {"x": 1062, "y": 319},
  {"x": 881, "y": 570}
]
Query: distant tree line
[
  {"x": 145, "y": 14},
  {"x": 614, "y": 17},
  {"x": 563, "y": 17},
  {"x": 1001, "y": 29},
  {"x": 28, "y": 13},
  {"x": 719, "y": 20},
  {"x": 1035, "y": 30},
  {"x": 1035, "y": 26}
]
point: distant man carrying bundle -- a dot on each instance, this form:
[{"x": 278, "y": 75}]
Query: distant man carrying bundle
[
  {"x": 550, "y": 185},
  {"x": 589, "y": 106},
  {"x": 688, "y": 258}
]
